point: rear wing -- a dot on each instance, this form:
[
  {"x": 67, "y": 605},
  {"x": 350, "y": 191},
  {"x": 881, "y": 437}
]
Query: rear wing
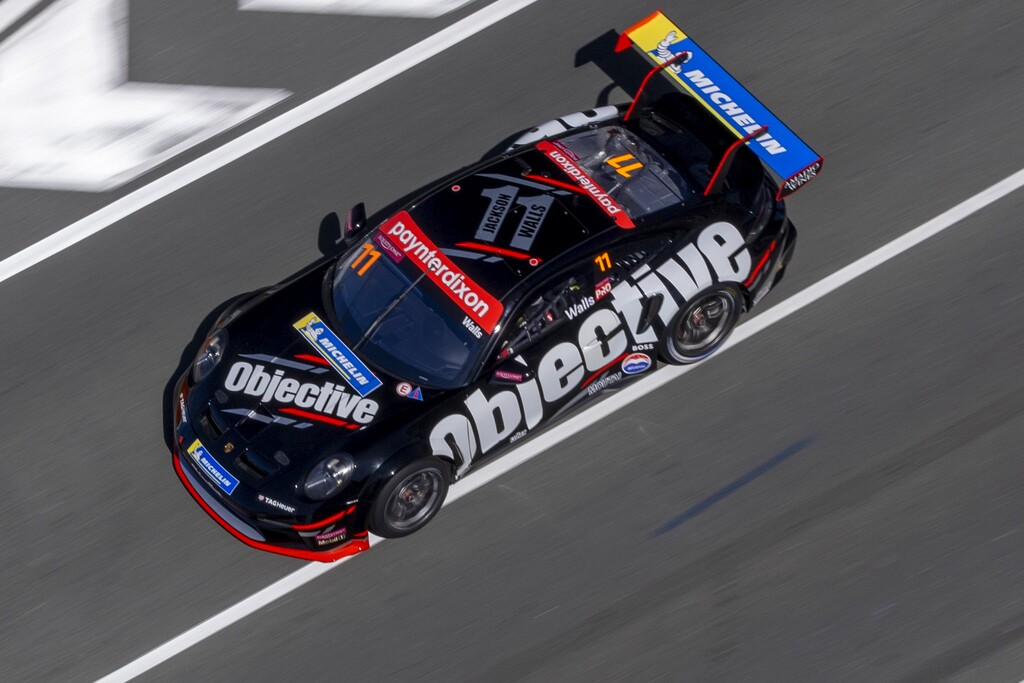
[{"x": 699, "y": 75}]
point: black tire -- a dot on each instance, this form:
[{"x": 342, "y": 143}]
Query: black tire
[
  {"x": 702, "y": 325},
  {"x": 409, "y": 499}
]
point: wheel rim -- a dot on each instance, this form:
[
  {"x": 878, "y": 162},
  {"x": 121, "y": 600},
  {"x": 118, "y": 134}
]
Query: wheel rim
[
  {"x": 705, "y": 324},
  {"x": 414, "y": 499}
]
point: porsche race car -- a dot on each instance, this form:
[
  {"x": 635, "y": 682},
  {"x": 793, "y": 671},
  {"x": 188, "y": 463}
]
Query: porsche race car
[{"x": 601, "y": 245}]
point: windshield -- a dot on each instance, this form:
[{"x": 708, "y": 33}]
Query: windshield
[
  {"x": 628, "y": 169},
  {"x": 396, "y": 320}
]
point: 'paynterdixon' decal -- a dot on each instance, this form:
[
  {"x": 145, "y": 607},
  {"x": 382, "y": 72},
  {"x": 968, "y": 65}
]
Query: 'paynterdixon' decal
[
  {"x": 334, "y": 351},
  {"x": 586, "y": 183},
  {"x": 474, "y": 301}
]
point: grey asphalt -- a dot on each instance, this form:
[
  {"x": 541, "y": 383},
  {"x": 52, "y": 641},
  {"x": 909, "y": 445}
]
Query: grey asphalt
[{"x": 876, "y": 433}]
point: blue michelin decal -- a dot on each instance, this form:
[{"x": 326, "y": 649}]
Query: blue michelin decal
[
  {"x": 334, "y": 351},
  {"x": 733, "y": 105},
  {"x": 211, "y": 468}
]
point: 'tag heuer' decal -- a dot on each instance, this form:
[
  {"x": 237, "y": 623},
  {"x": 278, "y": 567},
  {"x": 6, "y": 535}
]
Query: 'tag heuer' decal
[
  {"x": 467, "y": 295},
  {"x": 586, "y": 183},
  {"x": 335, "y": 352}
]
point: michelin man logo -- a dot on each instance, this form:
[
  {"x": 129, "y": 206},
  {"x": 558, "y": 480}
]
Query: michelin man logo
[
  {"x": 312, "y": 331},
  {"x": 665, "y": 53}
]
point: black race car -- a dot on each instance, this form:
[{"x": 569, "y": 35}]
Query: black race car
[{"x": 347, "y": 399}]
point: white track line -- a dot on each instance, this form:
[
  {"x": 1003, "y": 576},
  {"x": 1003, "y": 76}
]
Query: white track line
[
  {"x": 256, "y": 138},
  {"x": 12, "y": 10},
  {"x": 585, "y": 419},
  {"x": 372, "y": 8}
]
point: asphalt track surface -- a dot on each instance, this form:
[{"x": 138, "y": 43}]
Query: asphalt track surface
[{"x": 836, "y": 498}]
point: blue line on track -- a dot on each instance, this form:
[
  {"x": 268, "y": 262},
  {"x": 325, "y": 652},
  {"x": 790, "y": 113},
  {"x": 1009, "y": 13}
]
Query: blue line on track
[{"x": 734, "y": 486}]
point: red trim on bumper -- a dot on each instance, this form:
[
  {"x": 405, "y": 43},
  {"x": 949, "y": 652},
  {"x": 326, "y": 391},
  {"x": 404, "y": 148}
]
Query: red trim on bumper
[
  {"x": 356, "y": 545},
  {"x": 324, "y": 522},
  {"x": 759, "y": 266}
]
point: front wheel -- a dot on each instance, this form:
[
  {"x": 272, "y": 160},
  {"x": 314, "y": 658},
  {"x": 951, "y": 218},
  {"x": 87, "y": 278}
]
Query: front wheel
[
  {"x": 702, "y": 325},
  {"x": 409, "y": 499}
]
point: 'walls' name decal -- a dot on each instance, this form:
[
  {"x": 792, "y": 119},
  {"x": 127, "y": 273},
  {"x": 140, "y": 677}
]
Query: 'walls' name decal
[
  {"x": 535, "y": 210},
  {"x": 579, "y": 307},
  {"x": 474, "y": 329}
]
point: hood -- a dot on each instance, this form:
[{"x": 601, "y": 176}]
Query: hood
[{"x": 284, "y": 400}]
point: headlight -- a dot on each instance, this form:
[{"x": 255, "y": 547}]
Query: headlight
[
  {"x": 329, "y": 477},
  {"x": 209, "y": 355}
]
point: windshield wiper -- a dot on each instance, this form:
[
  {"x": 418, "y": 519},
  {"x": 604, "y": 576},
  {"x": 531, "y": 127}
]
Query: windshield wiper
[{"x": 387, "y": 310}]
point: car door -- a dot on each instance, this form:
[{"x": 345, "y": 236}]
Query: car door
[
  {"x": 534, "y": 366},
  {"x": 564, "y": 343}
]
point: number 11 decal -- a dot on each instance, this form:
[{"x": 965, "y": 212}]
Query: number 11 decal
[
  {"x": 368, "y": 251},
  {"x": 623, "y": 167}
]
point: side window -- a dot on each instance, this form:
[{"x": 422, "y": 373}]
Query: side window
[
  {"x": 611, "y": 266},
  {"x": 568, "y": 297},
  {"x": 546, "y": 309}
]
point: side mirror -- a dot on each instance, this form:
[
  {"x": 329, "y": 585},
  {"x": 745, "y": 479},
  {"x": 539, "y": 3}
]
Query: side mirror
[
  {"x": 335, "y": 238},
  {"x": 354, "y": 225}
]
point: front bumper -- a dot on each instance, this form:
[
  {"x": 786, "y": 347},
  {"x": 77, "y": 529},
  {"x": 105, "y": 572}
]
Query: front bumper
[
  {"x": 292, "y": 540},
  {"x": 250, "y": 534}
]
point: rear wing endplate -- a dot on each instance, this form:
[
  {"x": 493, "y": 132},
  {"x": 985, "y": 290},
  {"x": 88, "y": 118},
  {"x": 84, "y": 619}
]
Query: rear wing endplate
[{"x": 702, "y": 77}]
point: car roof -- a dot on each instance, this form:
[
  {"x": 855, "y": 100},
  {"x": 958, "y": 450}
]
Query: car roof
[
  {"x": 506, "y": 219},
  {"x": 501, "y": 227}
]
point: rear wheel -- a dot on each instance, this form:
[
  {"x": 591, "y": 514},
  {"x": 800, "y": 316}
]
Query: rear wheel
[
  {"x": 409, "y": 499},
  {"x": 702, "y": 326}
]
